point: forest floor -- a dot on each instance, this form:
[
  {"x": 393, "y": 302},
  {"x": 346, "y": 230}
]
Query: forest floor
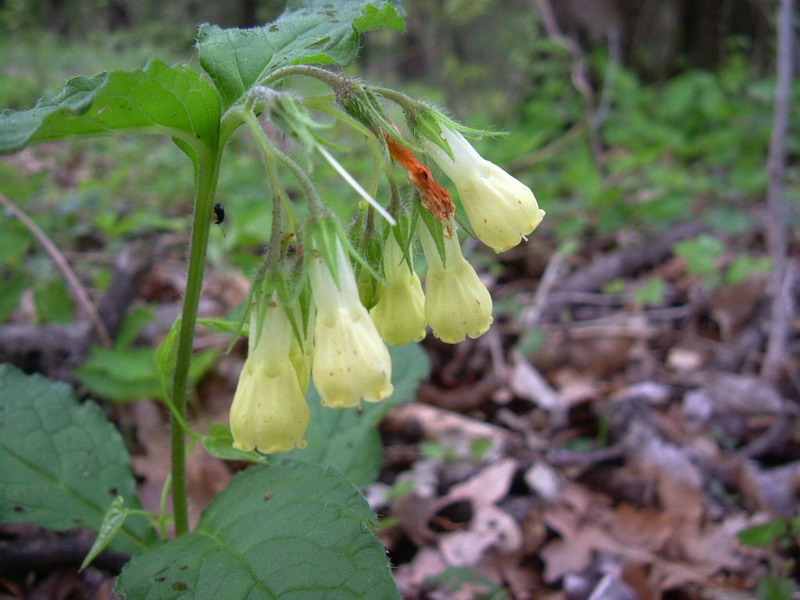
[{"x": 586, "y": 447}]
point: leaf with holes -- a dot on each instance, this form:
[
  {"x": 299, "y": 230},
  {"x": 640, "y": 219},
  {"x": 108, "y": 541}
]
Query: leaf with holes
[
  {"x": 290, "y": 530},
  {"x": 61, "y": 461},
  {"x": 308, "y": 32}
]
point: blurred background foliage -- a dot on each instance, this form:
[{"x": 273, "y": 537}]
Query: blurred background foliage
[{"x": 623, "y": 115}]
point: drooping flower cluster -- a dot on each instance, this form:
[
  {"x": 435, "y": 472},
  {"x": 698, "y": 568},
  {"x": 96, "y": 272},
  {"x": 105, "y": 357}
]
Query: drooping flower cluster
[{"x": 344, "y": 348}]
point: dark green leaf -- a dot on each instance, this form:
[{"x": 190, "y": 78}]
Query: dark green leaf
[
  {"x": 289, "y": 530},
  {"x": 175, "y": 101},
  {"x": 61, "y": 462},
  {"x": 775, "y": 588},
  {"x": 309, "y": 31}
]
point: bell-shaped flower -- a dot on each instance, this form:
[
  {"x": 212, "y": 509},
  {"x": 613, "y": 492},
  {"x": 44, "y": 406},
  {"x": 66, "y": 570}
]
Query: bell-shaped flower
[
  {"x": 351, "y": 362},
  {"x": 269, "y": 411},
  {"x": 457, "y": 303},
  {"x": 501, "y": 209},
  {"x": 399, "y": 314}
]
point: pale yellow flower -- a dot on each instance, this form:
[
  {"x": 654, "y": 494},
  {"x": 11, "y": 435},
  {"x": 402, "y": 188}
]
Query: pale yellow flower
[
  {"x": 269, "y": 411},
  {"x": 399, "y": 314},
  {"x": 457, "y": 303},
  {"x": 351, "y": 362},
  {"x": 501, "y": 209}
]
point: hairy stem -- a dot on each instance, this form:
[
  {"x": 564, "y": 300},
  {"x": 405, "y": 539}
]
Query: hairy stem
[
  {"x": 270, "y": 152},
  {"x": 332, "y": 79},
  {"x": 205, "y": 187}
]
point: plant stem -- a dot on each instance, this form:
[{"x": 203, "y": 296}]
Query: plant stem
[
  {"x": 205, "y": 187},
  {"x": 270, "y": 152},
  {"x": 332, "y": 79},
  {"x": 406, "y": 102}
]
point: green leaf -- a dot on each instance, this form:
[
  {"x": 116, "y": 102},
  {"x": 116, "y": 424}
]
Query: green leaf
[
  {"x": 309, "y": 31},
  {"x": 289, "y": 530},
  {"x": 61, "y": 461},
  {"x": 219, "y": 442},
  {"x": 112, "y": 522},
  {"x": 14, "y": 285},
  {"x": 53, "y": 302},
  {"x": 175, "y": 101},
  {"x": 221, "y": 325},
  {"x": 348, "y": 439},
  {"x": 650, "y": 293},
  {"x": 701, "y": 255},
  {"x": 132, "y": 325},
  {"x": 775, "y": 588},
  {"x": 129, "y": 374},
  {"x": 761, "y": 535}
]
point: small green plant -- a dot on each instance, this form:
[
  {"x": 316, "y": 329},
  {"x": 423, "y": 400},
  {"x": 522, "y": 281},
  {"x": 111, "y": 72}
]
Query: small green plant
[
  {"x": 779, "y": 536},
  {"x": 325, "y": 301}
]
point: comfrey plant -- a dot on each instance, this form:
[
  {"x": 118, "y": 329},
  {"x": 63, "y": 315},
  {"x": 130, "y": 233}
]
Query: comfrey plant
[{"x": 327, "y": 300}]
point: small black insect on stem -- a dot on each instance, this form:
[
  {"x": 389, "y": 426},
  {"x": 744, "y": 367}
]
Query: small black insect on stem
[{"x": 219, "y": 215}]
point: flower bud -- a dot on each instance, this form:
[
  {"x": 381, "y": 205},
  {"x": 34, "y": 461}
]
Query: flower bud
[
  {"x": 501, "y": 209},
  {"x": 399, "y": 314},
  {"x": 351, "y": 362},
  {"x": 457, "y": 304},
  {"x": 269, "y": 411}
]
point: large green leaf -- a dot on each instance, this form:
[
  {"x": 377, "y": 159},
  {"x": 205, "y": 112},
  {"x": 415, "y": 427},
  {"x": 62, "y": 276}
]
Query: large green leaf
[
  {"x": 309, "y": 31},
  {"x": 61, "y": 462},
  {"x": 348, "y": 439},
  {"x": 129, "y": 374},
  {"x": 175, "y": 101},
  {"x": 291, "y": 530}
]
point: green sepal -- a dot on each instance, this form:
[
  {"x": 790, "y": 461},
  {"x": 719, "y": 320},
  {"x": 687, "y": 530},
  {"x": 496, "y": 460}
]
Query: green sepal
[
  {"x": 464, "y": 223},
  {"x": 112, "y": 524},
  {"x": 360, "y": 260},
  {"x": 323, "y": 235},
  {"x": 294, "y": 293},
  {"x": 436, "y": 229},
  {"x": 403, "y": 233},
  {"x": 425, "y": 124},
  {"x": 469, "y": 132}
]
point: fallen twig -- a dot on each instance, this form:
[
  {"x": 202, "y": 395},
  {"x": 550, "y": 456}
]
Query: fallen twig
[
  {"x": 78, "y": 292},
  {"x": 618, "y": 264}
]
